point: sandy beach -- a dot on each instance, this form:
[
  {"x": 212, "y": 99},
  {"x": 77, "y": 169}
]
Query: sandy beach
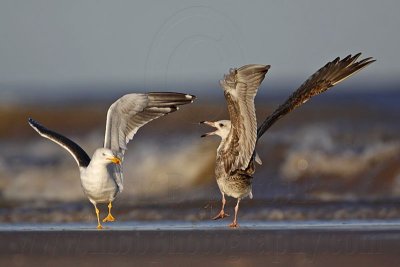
[{"x": 351, "y": 243}]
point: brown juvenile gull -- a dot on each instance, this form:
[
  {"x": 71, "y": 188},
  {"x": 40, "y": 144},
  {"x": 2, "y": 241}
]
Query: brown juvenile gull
[
  {"x": 101, "y": 176},
  {"x": 236, "y": 153}
]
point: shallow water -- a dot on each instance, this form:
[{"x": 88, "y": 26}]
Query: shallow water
[{"x": 346, "y": 225}]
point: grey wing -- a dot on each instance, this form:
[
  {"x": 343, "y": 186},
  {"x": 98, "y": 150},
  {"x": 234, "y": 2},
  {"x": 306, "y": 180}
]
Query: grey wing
[
  {"x": 118, "y": 174},
  {"x": 126, "y": 115},
  {"x": 240, "y": 88},
  {"x": 326, "y": 77}
]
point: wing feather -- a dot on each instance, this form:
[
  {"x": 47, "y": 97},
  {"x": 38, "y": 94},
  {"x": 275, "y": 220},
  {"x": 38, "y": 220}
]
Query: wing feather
[
  {"x": 126, "y": 115},
  {"x": 74, "y": 149},
  {"x": 329, "y": 75},
  {"x": 240, "y": 88}
]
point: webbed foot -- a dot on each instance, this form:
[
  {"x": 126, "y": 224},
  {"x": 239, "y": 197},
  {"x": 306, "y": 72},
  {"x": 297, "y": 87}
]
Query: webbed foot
[
  {"x": 109, "y": 218},
  {"x": 221, "y": 215},
  {"x": 234, "y": 225}
]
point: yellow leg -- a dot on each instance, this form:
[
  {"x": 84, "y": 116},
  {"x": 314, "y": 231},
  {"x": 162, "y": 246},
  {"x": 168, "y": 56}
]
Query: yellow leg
[
  {"x": 109, "y": 217},
  {"x": 98, "y": 219}
]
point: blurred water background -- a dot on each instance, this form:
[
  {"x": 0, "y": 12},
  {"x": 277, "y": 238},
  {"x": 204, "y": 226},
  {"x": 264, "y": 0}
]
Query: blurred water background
[{"x": 337, "y": 157}]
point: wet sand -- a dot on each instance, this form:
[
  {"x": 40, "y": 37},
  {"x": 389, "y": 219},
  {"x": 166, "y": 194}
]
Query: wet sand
[{"x": 349, "y": 243}]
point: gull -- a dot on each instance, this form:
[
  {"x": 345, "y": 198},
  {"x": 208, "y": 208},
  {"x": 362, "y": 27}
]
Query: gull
[
  {"x": 101, "y": 176},
  {"x": 236, "y": 155}
]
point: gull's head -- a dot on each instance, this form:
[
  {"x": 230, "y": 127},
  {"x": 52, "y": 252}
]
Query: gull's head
[
  {"x": 222, "y": 127},
  {"x": 106, "y": 155}
]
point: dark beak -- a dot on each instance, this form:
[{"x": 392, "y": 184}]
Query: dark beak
[{"x": 209, "y": 123}]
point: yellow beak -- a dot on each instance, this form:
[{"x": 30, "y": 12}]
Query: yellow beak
[{"x": 115, "y": 160}]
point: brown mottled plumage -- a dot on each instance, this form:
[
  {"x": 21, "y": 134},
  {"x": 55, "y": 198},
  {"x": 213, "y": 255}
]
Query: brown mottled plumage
[
  {"x": 236, "y": 153},
  {"x": 326, "y": 77},
  {"x": 240, "y": 88}
]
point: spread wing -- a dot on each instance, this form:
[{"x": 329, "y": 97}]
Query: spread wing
[
  {"x": 240, "y": 87},
  {"x": 126, "y": 115},
  {"x": 75, "y": 150},
  {"x": 332, "y": 73}
]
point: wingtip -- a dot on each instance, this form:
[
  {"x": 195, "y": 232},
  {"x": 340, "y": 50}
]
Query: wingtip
[
  {"x": 31, "y": 121},
  {"x": 35, "y": 125},
  {"x": 369, "y": 59},
  {"x": 190, "y": 97},
  {"x": 356, "y": 56}
]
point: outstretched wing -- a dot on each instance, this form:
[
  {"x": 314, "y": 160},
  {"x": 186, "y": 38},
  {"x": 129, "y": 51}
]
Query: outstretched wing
[
  {"x": 332, "y": 73},
  {"x": 126, "y": 115},
  {"x": 76, "y": 151},
  {"x": 240, "y": 87}
]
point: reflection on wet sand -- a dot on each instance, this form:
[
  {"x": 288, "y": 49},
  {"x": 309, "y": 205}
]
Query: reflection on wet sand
[{"x": 180, "y": 244}]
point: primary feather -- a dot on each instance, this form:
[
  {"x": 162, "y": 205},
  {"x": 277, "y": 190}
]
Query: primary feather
[
  {"x": 126, "y": 115},
  {"x": 323, "y": 79}
]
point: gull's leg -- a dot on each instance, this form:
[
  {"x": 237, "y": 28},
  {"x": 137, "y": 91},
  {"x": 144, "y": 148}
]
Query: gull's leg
[
  {"x": 109, "y": 217},
  {"x": 222, "y": 213},
  {"x": 234, "y": 224},
  {"x": 98, "y": 219}
]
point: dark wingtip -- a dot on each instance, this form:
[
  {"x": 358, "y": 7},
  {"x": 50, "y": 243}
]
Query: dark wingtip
[
  {"x": 31, "y": 121},
  {"x": 190, "y": 97},
  {"x": 203, "y": 135},
  {"x": 201, "y": 122},
  {"x": 368, "y": 59}
]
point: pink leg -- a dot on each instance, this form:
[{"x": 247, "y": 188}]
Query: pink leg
[
  {"x": 234, "y": 224},
  {"x": 222, "y": 213}
]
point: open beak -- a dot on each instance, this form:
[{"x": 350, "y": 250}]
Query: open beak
[
  {"x": 209, "y": 123},
  {"x": 115, "y": 160}
]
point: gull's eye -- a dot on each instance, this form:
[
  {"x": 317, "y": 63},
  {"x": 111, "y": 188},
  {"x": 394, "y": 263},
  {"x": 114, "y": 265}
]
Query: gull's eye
[
  {"x": 221, "y": 125},
  {"x": 104, "y": 154}
]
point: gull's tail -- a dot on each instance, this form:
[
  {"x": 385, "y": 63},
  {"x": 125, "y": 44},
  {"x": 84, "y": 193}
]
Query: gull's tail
[{"x": 326, "y": 77}]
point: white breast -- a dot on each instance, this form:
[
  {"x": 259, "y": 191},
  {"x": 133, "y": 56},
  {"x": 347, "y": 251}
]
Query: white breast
[{"x": 98, "y": 182}]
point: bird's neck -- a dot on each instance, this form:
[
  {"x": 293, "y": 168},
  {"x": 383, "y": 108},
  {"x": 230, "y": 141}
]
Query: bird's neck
[{"x": 222, "y": 144}]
